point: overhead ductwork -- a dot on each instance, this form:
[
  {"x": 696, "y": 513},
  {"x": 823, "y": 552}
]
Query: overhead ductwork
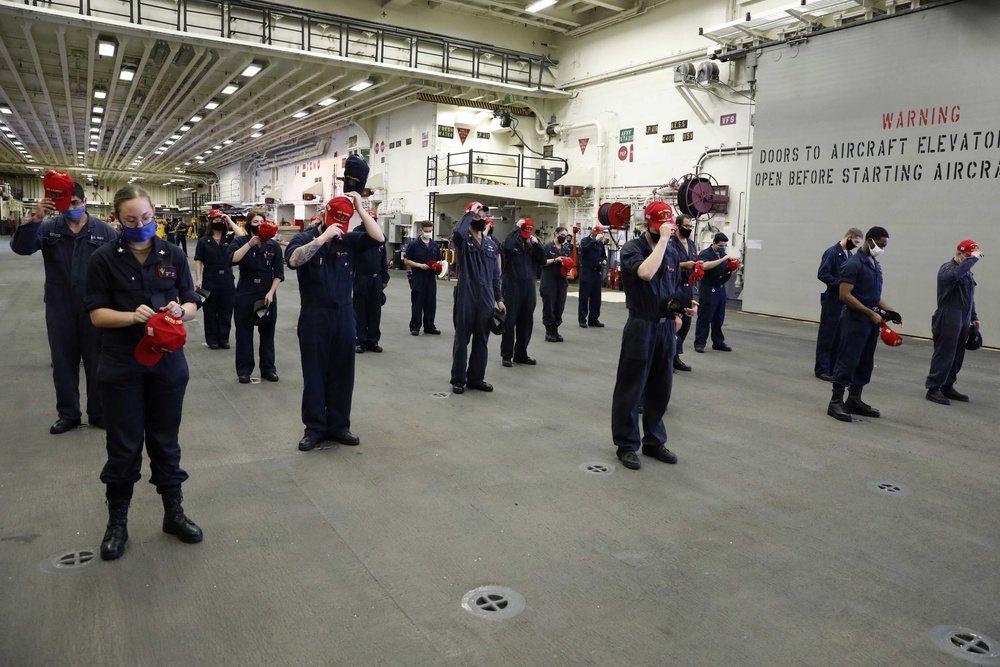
[{"x": 281, "y": 157}]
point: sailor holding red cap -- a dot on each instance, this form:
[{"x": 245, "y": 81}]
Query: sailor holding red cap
[
  {"x": 68, "y": 238},
  {"x": 418, "y": 256},
  {"x": 718, "y": 268},
  {"x": 521, "y": 255},
  {"x": 214, "y": 272},
  {"x": 860, "y": 326},
  {"x": 651, "y": 282},
  {"x": 139, "y": 291},
  {"x": 555, "y": 281},
  {"x": 955, "y": 314},
  {"x": 593, "y": 257},
  {"x": 477, "y": 296},
  {"x": 324, "y": 257},
  {"x": 688, "y": 252},
  {"x": 258, "y": 255},
  {"x": 371, "y": 276}
]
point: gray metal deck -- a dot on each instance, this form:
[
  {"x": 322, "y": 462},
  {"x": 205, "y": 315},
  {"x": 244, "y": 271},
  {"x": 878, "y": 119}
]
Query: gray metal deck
[{"x": 764, "y": 546}]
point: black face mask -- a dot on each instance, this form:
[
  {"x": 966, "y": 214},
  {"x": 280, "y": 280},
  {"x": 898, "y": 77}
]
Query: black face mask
[
  {"x": 254, "y": 229},
  {"x": 850, "y": 245},
  {"x": 478, "y": 225},
  {"x": 684, "y": 233},
  {"x": 654, "y": 235},
  {"x": 218, "y": 226},
  {"x": 561, "y": 239}
]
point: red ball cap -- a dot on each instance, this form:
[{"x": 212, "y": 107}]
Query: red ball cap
[
  {"x": 472, "y": 205},
  {"x": 267, "y": 230},
  {"x": 968, "y": 246},
  {"x": 599, "y": 229},
  {"x": 373, "y": 214},
  {"x": 59, "y": 188},
  {"x": 215, "y": 213},
  {"x": 890, "y": 337},
  {"x": 435, "y": 266},
  {"x": 732, "y": 264},
  {"x": 339, "y": 211},
  {"x": 161, "y": 334},
  {"x": 659, "y": 213},
  {"x": 697, "y": 273},
  {"x": 526, "y": 225}
]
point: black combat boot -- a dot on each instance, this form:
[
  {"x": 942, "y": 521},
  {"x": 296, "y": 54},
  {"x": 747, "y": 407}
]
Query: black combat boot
[
  {"x": 836, "y": 407},
  {"x": 118, "y": 499},
  {"x": 550, "y": 335},
  {"x": 555, "y": 332},
  {"x": 856, "y": 406},
  {"x": 174, "y": 521}
]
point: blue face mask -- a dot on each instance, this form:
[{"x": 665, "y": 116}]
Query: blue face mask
[
  {"x": 73, "y": 214},
  {"x": 140, "y": 234},
  {"x": 721, "y": 250}
]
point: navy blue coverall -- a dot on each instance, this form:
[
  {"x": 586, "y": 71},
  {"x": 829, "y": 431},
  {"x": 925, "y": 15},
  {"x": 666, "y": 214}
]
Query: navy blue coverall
[
  {"x": 521, "y": 259},
  {"x": 217, "y": 278},
  {"x": 592, "y": 255},
  {"x": 830, "y": 306},
  {"x": 326, "y": 330},
  {"x": 553, "y": 285},
  {"x": 371, "y": 272},
  {"x": 646, "y": 363},
  {"x": 687, "y": 252},
  {"x": 712, "y": 301},
  {"x": 956, "y": 310},
  {"x": 857, "y": 334},
  {"x": 423, "y": 284},
  {"x": 258, "y": 268},
  {"x": 70, "y": 332},
  {"x": 144, "y": 402},
  {"x": 476, "y": 295}
]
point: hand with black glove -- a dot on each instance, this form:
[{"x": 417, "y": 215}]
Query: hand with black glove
[
  {"x": 675, "y": 304},
  {"x": 893, "y": 316}
]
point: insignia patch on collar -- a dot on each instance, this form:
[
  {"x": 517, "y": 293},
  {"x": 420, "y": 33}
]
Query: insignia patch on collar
[{"x": 166, "y": 271}]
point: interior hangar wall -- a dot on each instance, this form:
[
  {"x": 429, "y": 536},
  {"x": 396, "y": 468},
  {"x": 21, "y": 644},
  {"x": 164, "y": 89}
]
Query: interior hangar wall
[
  {"x": 599, "y": 69},
  {"x": 892, "y": 123}
]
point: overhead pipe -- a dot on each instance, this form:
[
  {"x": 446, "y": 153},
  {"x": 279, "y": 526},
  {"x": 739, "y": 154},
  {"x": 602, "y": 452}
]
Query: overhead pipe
[{"x": 632, "y": 70}]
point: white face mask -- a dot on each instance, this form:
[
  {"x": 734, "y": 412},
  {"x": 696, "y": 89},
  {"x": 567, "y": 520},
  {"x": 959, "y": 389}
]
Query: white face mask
[
  {"x": 428, "y": 235},
  {"x": 876, "y": 250}
]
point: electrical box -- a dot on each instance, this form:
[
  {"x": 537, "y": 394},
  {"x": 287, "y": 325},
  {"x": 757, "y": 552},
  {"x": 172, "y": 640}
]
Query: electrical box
[{"x": 399, "y": 225}]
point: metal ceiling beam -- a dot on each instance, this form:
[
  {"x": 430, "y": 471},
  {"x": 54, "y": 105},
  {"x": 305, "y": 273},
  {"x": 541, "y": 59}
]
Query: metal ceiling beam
[
  {"x": 26, "y": 29},
  {"x": 395, "y": 4},
  {"x": 119, "y": 132},
  {"x": 64, "y": 61}
]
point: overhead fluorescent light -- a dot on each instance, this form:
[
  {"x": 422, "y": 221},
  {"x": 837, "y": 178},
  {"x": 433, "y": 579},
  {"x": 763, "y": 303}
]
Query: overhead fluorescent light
[
  {"x": 169, "y": 142},
  {"x": 254, "y": 68},
  {"x": 184, "y": 128},
  {"x": 106, "y": 46},
  {"x": 127, "y": 74},
  {"x": 92, "y": 150},
  {"x": 256, "y": 134},
  {"x": 17, "y": 143},
  {"x": 187, "y": 164},
  {"x": 95, "y": 120},
  {"x": 257, "y": 126},
  {"x": 362, "y": 85},
  {"x": 208, "y": 152},
  {"x": 175, "y": 136},
  {"x": 5, "y": 110},
  {"x": 212, "y": 105},
  {"x": 538, "y": 6},
  {"x": 100, "y": 94},
  {"x": 328, "y": 101},
  {"x": 158, "y": 151},
  {"x": 97, "y": 109},
  {"x": 215, "y": 148},
  {"x": 195, "y": 119},
  {"x": 230, "y": 89},
  {"x": 227, "y": 142},
  {"x": 95, "y": 130},
  {"x": 300, "y": 114}
]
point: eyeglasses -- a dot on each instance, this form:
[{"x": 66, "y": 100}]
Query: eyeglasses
[
  {"x": 138, "y": 222},
  {"x": 76, "y": 203}
]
